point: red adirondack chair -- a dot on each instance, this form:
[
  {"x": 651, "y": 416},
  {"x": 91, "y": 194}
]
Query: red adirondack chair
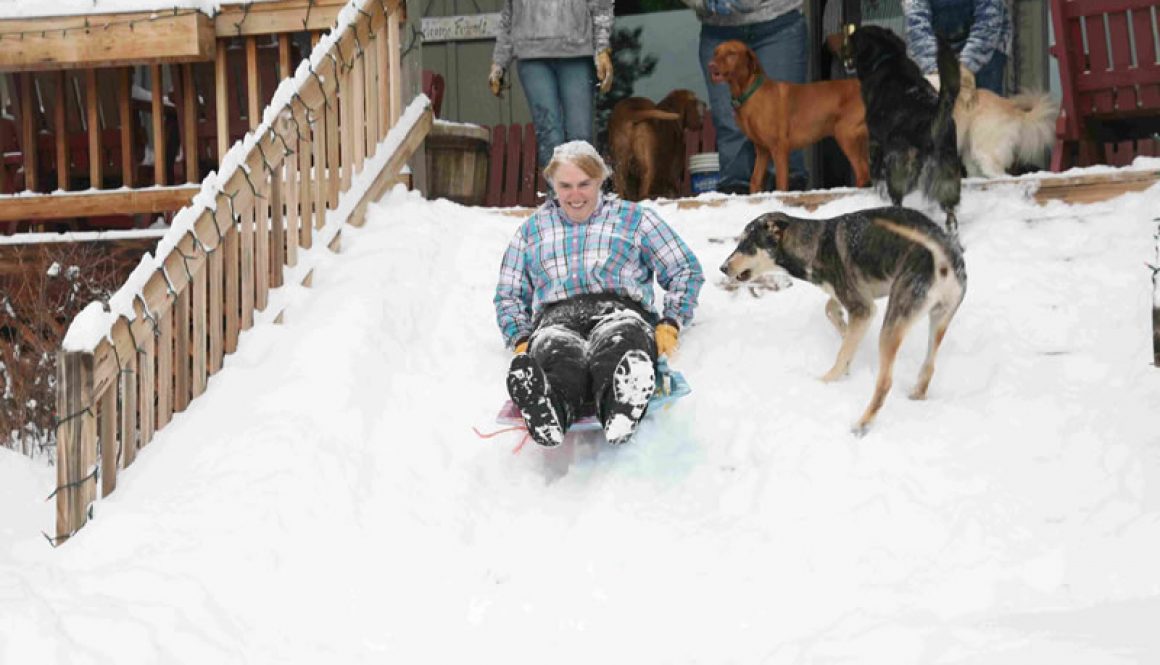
[
  {"x": 697, "y": 141},
  {"x": 514, "y": 178},
  {"x": 1110, "y": 78},
  {"x": 434, "y": 86}
]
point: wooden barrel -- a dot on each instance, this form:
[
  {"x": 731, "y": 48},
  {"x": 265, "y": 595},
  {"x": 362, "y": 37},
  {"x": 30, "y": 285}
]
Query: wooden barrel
[{"x": 457, "y": 156}]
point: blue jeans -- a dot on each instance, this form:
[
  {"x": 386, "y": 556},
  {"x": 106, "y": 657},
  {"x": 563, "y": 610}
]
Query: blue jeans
[
  {"x": 560, "y": 93},
  {"x": 952, "y": 20},
  {"x": 780, "y": 45}
]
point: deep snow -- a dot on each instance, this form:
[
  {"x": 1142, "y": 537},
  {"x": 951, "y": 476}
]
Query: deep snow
[{"x": 327, "y": 501}]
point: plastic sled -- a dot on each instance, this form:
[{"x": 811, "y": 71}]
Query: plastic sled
[{"x": 671, "y": 386}]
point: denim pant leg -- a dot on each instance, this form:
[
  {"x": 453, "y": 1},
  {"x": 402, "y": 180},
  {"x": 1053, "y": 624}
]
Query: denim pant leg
[
  {"x": 559, "y": 92},
  {"x": 780, "y": 45},
  {"x": 577, "y": 77},
  {"x": 992, "y": 74},
  {"x": 543, "y": 92},
  {"x": 782, "y": 50}
]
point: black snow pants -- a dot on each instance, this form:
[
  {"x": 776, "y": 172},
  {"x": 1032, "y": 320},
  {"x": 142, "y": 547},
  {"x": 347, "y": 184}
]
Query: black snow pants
[{"x": 578, "y": 343}]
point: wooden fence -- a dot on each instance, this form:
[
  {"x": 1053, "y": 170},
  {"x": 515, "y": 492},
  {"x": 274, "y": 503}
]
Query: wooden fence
[{"x": 126, "y": 367}]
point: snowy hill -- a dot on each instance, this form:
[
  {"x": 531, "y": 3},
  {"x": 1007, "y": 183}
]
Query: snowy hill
[{"x": 327, "y": 500}]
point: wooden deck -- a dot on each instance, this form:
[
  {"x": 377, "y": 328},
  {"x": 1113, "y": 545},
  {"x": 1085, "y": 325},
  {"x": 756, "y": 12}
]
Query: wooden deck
[{"x": 109, "y": 115}]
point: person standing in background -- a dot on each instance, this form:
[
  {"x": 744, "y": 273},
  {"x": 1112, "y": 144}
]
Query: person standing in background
[
  {"x": 776, "y": 31},
  {"x": 979, "y": 31},
  {"x": 561, "y": 49}
]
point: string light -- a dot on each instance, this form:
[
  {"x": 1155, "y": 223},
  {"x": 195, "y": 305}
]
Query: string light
[
  {"x": 124, "y": 368},
  {"x": 103, "y": 25}
]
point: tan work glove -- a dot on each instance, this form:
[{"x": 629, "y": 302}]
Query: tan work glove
[
  {"x": 495, "y": 79},
  {"x": 521, "y": 347},
  {"x": 604, "y": 70},
  {"x": 666, "y": 335}
]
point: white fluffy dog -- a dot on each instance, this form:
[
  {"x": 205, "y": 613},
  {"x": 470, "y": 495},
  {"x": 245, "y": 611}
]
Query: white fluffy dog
[{"x": 997, "y": 133}]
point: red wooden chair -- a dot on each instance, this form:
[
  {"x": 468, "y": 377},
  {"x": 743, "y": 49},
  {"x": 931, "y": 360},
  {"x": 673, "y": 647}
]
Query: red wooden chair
[
  {"x": 514, "y": 177},
  {"x": 1110, "y": 78},
  {"x": 697, "y": 141},
  {"x": 434, "y": 87}
]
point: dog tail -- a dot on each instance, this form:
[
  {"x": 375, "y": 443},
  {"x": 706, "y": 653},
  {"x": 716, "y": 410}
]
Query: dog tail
[
  {"x": 943, "y": 265},
  {"x": 654, "y": 114},
  {"x": 1037, "y": 125},
  {"x": 948, "y": 91}
]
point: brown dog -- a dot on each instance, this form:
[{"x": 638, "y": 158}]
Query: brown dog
[
  {"x": 648, "y": 143},
  {"x": 780, "y": 117}
]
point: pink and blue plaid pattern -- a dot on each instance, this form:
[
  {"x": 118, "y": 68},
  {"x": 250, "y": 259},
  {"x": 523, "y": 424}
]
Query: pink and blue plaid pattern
[{"x": 619, "y": 250}]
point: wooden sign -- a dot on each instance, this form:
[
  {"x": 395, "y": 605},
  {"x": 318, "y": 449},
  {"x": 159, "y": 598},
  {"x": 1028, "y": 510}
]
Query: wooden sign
[{"x": 460, "y": 28}]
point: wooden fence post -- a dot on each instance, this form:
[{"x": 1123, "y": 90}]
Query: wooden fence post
[
  {"x": 1156, "y": 300},
  {"x": 76, "y": 437}
]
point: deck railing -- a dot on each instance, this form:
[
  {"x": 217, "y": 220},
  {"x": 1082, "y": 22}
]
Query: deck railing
[
  {"x": 334, "y": 136},
  {"x": 114, "y": 118}
]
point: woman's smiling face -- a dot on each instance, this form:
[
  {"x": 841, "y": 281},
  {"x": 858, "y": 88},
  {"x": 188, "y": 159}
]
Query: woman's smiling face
[{"x": 578, "y": 192}]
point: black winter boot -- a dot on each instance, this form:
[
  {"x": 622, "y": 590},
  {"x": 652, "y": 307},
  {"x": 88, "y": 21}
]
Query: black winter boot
[
  {"x": 633, "y": 384},
  {"x": 528, "y": 387}
]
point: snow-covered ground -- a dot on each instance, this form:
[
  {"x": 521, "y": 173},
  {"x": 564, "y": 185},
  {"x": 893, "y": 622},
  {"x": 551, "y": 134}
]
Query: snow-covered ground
[{"x": 326, "y": 501}]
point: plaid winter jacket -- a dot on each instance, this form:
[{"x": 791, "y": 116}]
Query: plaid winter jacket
[
  {"x": 990, "y": 32},
  {"x": 552, "y": 29},
  {"x": 618, "y": 250}
]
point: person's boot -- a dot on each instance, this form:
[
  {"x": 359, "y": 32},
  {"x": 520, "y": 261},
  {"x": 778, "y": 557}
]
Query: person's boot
[
  {"x": 528, "y": 387},
  {"x": 626, "y": 400}
]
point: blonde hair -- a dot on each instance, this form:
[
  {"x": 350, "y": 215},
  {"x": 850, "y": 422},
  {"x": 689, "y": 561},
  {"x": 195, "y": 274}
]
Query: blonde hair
[{"x": 580, "y": 154}]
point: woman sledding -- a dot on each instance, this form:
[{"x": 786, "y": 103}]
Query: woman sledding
[{"x": 575, "y": 302}]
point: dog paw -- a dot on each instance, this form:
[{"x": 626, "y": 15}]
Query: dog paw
[
  {"x": 859, "y": 429},
  {"x": 917, "y": 395},
  {"x": 832, "y": 375}
]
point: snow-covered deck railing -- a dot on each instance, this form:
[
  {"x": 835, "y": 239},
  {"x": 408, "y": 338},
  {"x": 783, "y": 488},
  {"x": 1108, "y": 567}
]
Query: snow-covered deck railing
[
  {"x": 85, "y": 135},
  {"x": 333, "y": 135}
]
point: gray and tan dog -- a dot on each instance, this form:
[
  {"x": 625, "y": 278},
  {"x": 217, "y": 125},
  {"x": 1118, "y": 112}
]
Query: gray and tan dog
[{"x": 857, "y": 258}]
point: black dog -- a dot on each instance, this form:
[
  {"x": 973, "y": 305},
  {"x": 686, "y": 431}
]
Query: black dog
[{"x": 912, "y": 127}]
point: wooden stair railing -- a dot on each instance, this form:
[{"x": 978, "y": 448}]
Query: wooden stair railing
[{"x": 127, "y": 366}]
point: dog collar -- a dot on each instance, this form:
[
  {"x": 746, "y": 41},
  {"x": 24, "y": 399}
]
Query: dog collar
[{"x": 757, "y": 81}]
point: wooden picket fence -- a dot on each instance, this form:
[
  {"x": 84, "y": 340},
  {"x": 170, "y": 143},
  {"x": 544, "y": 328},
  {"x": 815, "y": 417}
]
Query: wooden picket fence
[{"x": 137, "y": 365}]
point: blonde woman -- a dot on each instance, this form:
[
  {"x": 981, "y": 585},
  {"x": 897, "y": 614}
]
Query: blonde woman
[{"x": 575, "y": 302}]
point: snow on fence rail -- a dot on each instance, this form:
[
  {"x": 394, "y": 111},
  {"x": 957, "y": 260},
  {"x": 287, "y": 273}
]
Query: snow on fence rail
[{"x": 332, "y": 138}]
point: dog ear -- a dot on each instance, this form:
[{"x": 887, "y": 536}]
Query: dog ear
[
  {"x": 692, "y": 112},
  {"x": 775, "y": 223},
  {"x": 750, "y": 63}
]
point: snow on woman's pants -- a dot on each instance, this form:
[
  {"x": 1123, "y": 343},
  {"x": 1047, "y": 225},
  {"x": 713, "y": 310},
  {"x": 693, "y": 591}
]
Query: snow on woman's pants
[{"x": 578, "y": 343}]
